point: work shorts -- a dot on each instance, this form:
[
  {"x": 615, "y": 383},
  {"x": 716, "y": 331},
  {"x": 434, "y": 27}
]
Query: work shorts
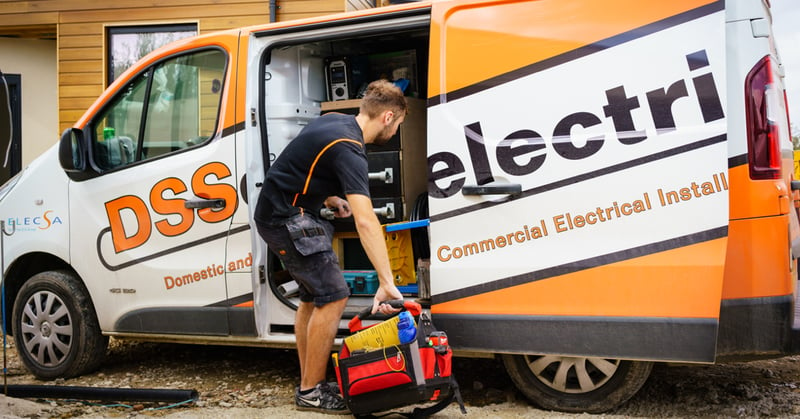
[{"x": 303, "y": 244}]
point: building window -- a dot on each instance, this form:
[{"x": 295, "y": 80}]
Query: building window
[{"x": 127, "y": 44}]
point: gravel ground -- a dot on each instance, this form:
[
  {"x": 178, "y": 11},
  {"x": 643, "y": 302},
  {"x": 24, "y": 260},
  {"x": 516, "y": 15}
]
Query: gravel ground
[{"x": 237, "y": 382}]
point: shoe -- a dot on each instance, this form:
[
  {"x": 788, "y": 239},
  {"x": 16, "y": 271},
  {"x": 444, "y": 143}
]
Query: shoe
[
  {"x": 334, "y": 387},
  {"x": 323, "y": 399},
  {"x": 332, "y": 384}
]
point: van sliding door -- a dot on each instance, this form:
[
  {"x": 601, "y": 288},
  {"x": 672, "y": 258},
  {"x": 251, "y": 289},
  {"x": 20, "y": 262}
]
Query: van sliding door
[{"x": 578, "y": 177}]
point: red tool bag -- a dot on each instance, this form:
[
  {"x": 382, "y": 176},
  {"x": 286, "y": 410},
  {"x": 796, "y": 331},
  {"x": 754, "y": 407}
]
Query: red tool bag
[{"x": 380, "y": 379}]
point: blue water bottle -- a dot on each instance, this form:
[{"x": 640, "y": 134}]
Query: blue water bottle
[{"x": 405, "y": 328}]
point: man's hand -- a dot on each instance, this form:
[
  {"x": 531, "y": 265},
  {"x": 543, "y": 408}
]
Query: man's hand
[
  {"x": 386, "y": 293},
  {"x": 339, "y": 206}
]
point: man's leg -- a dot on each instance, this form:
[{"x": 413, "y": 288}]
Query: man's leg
[
  {"x": 301, "y": 319},
  {"x": 320, "y": 332}
]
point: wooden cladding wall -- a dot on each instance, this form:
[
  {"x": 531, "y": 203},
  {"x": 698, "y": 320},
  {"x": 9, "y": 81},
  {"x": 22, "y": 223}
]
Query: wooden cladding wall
[{"x": 81, "y": 32}]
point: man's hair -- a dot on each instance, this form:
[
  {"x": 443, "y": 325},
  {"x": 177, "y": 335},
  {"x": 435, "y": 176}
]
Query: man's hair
[{"x": 381, "y": 96}]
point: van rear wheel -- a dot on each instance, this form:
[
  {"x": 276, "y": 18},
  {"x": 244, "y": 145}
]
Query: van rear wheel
[
  {"x": 55, "y": 327},
  {"x": 575, "y": 384}
]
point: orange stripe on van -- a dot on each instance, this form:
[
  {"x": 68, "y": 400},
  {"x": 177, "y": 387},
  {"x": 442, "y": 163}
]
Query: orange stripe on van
[
  {"x": 674, "y": 283},
  {"x": 520, "y": 33}
]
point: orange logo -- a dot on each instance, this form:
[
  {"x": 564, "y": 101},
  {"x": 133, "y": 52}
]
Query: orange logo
[{"x": 173, "y": 205}]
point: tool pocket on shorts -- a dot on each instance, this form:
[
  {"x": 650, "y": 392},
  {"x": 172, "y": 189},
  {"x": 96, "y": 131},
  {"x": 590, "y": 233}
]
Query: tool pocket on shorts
[{"x": 308, "y": 235}]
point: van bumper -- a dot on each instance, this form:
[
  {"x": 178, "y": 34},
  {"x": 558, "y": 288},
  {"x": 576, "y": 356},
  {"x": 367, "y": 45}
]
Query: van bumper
[{"x": 758, "y": 328}]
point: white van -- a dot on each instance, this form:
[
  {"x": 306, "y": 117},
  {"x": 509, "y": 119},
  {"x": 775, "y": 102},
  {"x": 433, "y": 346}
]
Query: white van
[{"x": 581, "y": 188}]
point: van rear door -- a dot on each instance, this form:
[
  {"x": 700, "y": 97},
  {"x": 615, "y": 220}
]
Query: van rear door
[{"x": 578, "y": 176}]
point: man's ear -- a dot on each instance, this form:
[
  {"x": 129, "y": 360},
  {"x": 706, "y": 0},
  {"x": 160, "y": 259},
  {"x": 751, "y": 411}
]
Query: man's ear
[{"x": 388, "y": 117}]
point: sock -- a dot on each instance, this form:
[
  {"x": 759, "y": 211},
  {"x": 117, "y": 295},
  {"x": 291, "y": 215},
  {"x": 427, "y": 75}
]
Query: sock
[{"x": 306, "y": 392}]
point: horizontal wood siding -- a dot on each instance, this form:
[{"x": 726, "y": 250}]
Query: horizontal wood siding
[
  {"x": 80, "y": 27},
  {"x": 295, "y": 9},
  {"x": 27, "y": 19},
  {"x": 212, "y": 24}
]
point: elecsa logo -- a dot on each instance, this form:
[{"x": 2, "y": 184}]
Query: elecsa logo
[
  {"x": 523, "y": 152},
  {"x": 164, "y": 199},
  {"x": 42, "y": 222}
]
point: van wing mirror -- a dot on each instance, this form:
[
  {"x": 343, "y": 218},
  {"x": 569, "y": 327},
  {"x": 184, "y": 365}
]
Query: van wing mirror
[{"x": 72, "y": 151}]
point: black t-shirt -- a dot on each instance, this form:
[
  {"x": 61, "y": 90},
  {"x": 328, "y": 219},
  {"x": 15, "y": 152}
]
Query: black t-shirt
[{"x": 327, "y": 158}]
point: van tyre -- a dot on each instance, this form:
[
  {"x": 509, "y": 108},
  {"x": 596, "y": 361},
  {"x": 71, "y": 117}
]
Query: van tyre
[
  {"x": 55, "y": 327},
  {"x": 575, "y": 384}
]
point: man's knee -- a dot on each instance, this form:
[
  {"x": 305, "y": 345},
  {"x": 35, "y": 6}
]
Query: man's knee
[{"x": 332, "y": 310}]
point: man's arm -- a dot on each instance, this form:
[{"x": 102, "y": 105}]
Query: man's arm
[{"x": 374, "y": 244}]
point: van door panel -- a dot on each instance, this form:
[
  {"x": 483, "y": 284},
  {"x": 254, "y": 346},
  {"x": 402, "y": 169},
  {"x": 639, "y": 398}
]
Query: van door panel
[
  {"x": 167, "y": 257},
  {"x": 615, "y": 245}
]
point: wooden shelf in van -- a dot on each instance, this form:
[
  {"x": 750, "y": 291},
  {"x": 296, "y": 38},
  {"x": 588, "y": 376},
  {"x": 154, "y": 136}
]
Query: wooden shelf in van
[{"x": 340, "y": 104}]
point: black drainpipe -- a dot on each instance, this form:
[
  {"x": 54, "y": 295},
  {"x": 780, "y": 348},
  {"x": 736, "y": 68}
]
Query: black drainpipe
[{"x": 34, "y": 391}]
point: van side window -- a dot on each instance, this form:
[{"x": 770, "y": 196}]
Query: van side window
[
  {"x": 172, "y": 106},
  {"x": 117, "y": 132}
]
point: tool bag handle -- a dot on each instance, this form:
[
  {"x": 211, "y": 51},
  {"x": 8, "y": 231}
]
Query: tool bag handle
[{"x": 412, "y": 307}]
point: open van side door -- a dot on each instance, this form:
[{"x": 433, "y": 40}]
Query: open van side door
[{"x": 578, "y": 183}]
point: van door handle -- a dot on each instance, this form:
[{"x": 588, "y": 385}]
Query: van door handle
[
  {"x": 205, "y": 203},
  {"x": 502, "y": 189}
]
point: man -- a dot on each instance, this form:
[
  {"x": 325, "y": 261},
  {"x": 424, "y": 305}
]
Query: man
[{"x": 326, "y": 161}]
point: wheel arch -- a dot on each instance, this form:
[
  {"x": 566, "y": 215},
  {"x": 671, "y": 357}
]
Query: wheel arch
[{"x": 22, "y": 269}]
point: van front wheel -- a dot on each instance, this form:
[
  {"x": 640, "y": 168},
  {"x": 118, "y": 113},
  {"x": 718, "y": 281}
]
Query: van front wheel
[
  {"x": 575, "y": 384},
  {"x": 55, "y": 327}
]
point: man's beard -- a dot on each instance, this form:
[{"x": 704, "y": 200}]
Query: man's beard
[{"x": 384, "y": 136}]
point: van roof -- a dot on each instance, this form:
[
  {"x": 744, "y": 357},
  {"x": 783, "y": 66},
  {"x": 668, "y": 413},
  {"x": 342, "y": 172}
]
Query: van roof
[{"x": 392, "y": 11}]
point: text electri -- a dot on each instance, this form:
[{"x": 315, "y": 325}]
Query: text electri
[{"x": 445, "y": 165}]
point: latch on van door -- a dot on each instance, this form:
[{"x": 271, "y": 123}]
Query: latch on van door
[
  {"x": 215, "y": 203},
  {"x": 501, "y": 189}
]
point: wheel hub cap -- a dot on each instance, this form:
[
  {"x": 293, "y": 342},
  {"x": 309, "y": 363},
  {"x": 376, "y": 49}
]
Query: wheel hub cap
[
  {"x": 573, "y": 375},
  {"x": 46, "y": 330}
]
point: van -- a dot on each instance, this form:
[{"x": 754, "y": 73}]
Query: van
[{"x": 580, "y": 189}]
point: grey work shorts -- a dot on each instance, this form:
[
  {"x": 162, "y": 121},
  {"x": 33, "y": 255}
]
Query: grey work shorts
[{"x": 303, "y": 244}]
